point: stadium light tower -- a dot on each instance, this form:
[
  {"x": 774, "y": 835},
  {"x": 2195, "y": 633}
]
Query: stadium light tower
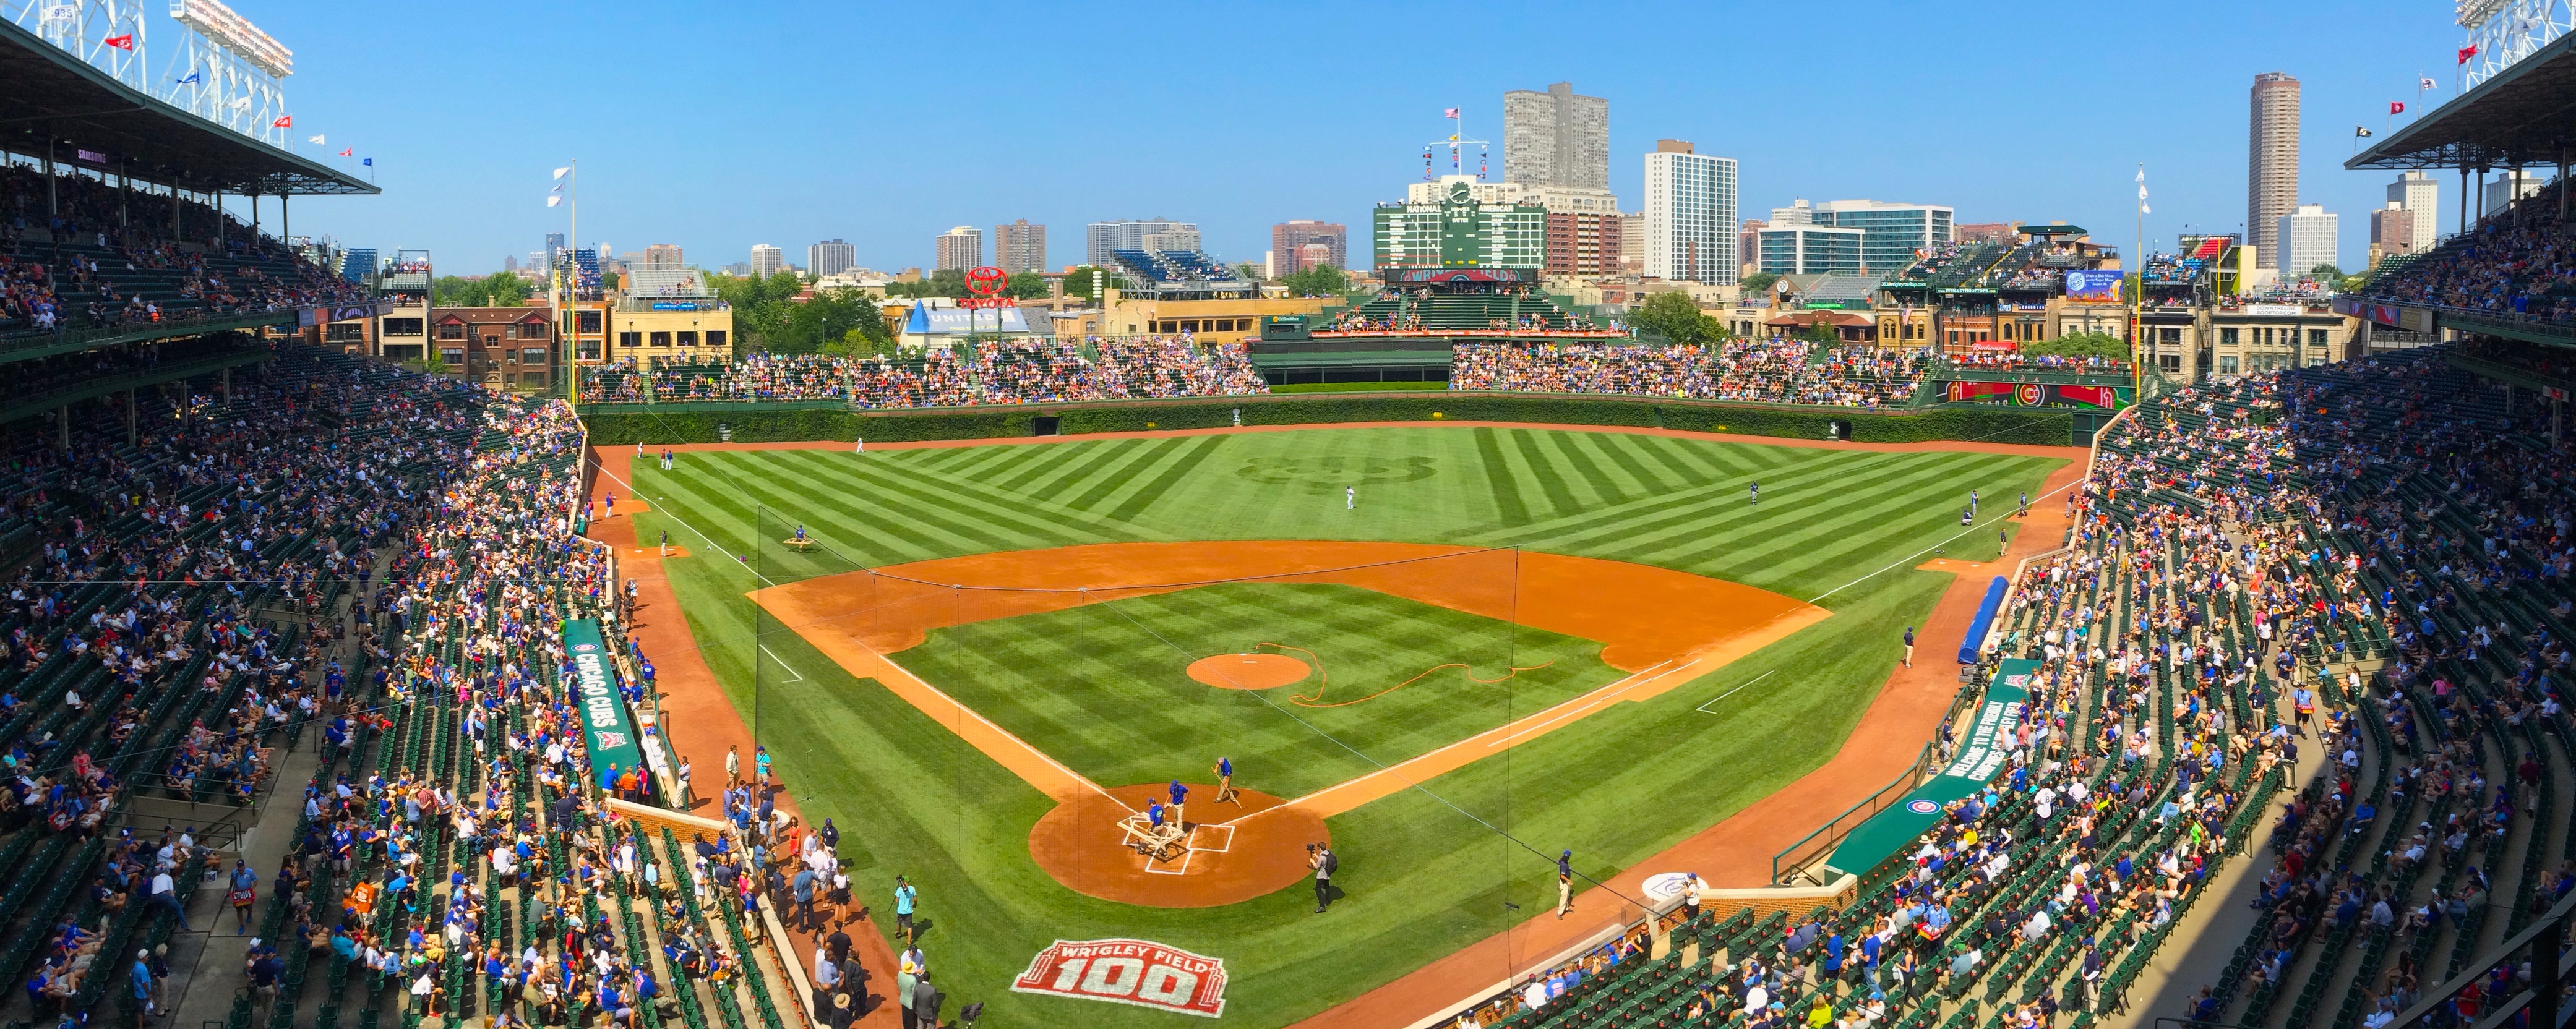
[
  {"x": 2502, "y": 32},
  {"x": 228, "y": 72},
  {"x": 105, "y": 34}
]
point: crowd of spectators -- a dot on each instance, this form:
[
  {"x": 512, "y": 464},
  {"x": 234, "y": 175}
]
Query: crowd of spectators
[
  {"x": 2515, "y": 262},
  {"x": 93, "y": 255},
  {"x": 991, "y": 372},
  {"x": 1786, "y": 371},
  {"x": 2017, "y": 361}
]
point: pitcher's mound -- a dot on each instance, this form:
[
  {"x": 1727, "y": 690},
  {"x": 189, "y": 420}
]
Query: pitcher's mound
[
  {"x": 1235, "y": 852},
  {"x": 1248, "y": 671}
]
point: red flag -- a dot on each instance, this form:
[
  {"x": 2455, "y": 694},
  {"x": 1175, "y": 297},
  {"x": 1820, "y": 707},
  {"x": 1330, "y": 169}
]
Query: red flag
[
  {"x": 349, "y": 152},
  {"x": 284, "y": 121},
  {"x": 2467, "y": 52},
  {"x": 2396, "y": 108},
  {"x": 124, "y": 42}
]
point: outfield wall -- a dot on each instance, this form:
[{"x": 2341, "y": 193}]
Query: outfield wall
[{"x": 626, "y": 424}]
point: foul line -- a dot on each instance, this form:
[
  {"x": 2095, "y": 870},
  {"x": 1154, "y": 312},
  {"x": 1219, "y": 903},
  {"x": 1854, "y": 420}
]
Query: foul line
[
  {"x": 782, "y": 663},
  {"x": 1703, "y": 709}
]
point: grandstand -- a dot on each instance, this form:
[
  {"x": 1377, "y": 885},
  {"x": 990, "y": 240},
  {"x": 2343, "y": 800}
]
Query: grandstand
[{"x": 282, "y": 637}]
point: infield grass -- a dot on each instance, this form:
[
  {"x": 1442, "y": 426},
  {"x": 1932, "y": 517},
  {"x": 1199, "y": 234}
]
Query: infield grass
[
  {"x": 1103, "y": 689},
  {"x": 1427, "y": 870}
]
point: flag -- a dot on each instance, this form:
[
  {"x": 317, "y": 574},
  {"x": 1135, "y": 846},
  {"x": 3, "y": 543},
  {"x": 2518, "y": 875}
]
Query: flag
[
  {"x": 350, "y": 152},
  {"x": 2361, "y": 132},
  {"x": 2467, "y": 52},
  {"x": 2424, "y": 83},
  {"x": 317, "y": 141},
  {"x": 284, "y": 121},
  {"x": 1449, "y": 112},
  {"x": 552, "y": 201},
  {"x": 124, "y": 42},
  {"x": 368, "y": 161},
  {"x": 191, "y": 77},
  {"x": 561, "y": 172},
  {"x": 2394, "y": 107}
]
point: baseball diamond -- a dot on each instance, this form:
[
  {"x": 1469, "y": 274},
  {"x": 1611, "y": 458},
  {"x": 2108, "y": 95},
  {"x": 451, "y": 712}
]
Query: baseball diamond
[{"x": 1478, "y": 643}]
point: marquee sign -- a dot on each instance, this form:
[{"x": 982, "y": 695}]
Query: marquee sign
[
  {"x": 1138, "y": 972},
  {"x": 987, "y": 283}
]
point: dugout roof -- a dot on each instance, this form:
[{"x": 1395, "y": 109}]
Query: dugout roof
[
  {"x": 2523, "y": 115},
  {"x": 50, "y": 97}
]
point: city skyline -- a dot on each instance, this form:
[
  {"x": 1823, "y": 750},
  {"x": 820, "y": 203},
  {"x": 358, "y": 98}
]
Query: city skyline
[{"x": 885, "y": 199}]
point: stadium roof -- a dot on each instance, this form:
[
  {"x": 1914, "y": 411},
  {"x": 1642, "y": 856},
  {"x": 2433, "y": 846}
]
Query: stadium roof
[
  {"x": 2520, "y": 116},
  {"x": 45, "y": 91}
]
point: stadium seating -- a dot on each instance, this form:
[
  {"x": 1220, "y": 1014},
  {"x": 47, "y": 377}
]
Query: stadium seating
[
  {"x": 2383, "y": 544},
  {"x": 1401, "y": 311},
  {"x": 2513, "y": 263},
  {"x": 1773, "y": 371},
  {"x": 991, "y": 372}
]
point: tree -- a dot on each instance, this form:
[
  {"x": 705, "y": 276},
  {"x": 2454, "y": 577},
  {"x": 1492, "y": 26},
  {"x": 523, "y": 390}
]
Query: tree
[
  {"x": 1322, "y": 280},
  {"x": 1026, "y": 286},
  {"x": 1677, "y": 318},
  {"x": 2080, "y": 344},
  {"x": 1247, "y": 272},
  {"x": 1077, "y": 284},
  {"x": 505, "y": 290},
  {"x": 1820, "y": 334},
  {"x": 1758, "y": 282},
  {"x": 2325, "y": 272}
]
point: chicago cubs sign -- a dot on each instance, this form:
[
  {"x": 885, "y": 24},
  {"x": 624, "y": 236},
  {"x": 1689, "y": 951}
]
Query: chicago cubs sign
[{"x": 1137, "y": 972}]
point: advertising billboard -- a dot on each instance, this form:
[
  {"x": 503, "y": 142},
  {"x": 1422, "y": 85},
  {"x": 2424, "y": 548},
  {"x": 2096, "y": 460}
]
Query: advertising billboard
[{"x": 2094, "y": 287}]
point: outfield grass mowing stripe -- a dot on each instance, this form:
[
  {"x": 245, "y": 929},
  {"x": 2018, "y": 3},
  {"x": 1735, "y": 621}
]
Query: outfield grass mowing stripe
[
  {"x": 1002, "y": 524},
  {"x": 978, "y": 462},
  {"x": 1678, "y": 461},
  {"x": 1498, "y": 480},
  {"x": 1615, "y": 448},
  {"x": 1754, "y": 522},
  {"x": 1045, "y": 520},
  {"x": 1160, "y": 489},
  {"x": 1075, "y": 468},
  {"x": 1147, "y": 456},
  {"x": 927, "y": 525},
  {"x": 1035, "y": 461},
  {"x": 1865, "y": 523},
  {"x": 1888, "y": 530},
  {"x": 1724, "y": 459},
  {"x": 1622, "y": 519},
  {"x": 1539, "y": 468},
  {"x": 1574, "y": 448}
]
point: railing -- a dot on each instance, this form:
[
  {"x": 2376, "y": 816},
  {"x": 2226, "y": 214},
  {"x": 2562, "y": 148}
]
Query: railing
[
  {"x": 1809, "y": 848},
  {"x": 28, "y": 345},
  {"x": 2544, "y": 947}
]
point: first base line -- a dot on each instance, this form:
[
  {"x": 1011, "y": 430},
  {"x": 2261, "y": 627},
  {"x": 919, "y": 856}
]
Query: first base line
[{"x": 1703, "y": 709}]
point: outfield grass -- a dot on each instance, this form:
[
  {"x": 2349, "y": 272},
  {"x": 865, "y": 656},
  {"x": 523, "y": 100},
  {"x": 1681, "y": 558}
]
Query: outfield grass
[
  {"x": 1427, "y": 871},
  {"x": 1102, "y": 687}
]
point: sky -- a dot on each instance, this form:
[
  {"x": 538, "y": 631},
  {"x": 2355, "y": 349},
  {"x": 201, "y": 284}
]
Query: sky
[{"x": 718, "y": 126}]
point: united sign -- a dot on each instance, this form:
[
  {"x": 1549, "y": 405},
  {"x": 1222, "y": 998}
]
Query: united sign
[{"x": 1138, "y": 972}]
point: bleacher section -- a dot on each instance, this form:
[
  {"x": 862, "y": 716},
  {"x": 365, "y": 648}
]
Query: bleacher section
[{"x": 1461, "y": 313}]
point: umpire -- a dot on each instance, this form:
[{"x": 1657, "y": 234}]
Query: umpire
[{"x": 1323, "y": 862}]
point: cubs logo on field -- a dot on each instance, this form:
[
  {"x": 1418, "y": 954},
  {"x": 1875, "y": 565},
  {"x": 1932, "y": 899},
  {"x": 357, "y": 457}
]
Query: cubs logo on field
[{"x": 1139, "y": 972}]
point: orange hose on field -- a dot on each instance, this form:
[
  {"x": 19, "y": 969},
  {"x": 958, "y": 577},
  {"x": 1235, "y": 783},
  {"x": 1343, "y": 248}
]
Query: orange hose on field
[{"x": 1325, "y": 679}]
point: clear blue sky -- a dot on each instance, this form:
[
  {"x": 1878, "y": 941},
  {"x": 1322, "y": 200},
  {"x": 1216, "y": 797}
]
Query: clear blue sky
[{"x": 717, "y": 126}]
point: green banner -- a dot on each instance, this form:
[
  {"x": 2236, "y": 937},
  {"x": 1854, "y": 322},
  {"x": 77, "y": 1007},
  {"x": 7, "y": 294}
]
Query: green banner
[
  {"x": 604, "y": 724},
  {"x": 1982, "y": 752}
]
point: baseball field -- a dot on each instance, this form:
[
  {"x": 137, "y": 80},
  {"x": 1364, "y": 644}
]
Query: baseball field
[{"x": 1452, "y": 651}]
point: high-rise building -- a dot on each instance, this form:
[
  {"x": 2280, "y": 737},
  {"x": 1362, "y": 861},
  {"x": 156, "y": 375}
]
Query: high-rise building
[
  {"x": 1556, "y": 138},
  {"x": 2421, "y": 195},
  {"x": 554, "y": 248},
  {"x": 1893, "y": 233},
  {"x": 2307, "y": 236},
  {"x": 1811, "y": 250},
  {"x": 2508, "y": 186},
  {"x": 1019, "y": 247},
  {"x": 961, "y": 248},
  {"x": 2272, "y": 165},
  {"x": 1690, "y": 214},
  {"x": 663, "y": 257},
  {"x": 1799, "y": 212},
  {"x": 1292, "y": 242},
  {"x": 1632, "y": 243},
  {"x": 1102, "y": 239},
  {"x": 1748, "y": 241},
  {"x": 829, "y": 257},
  {"x": 1584, "y": 243},
  {"x": 1175, "y": 240},
  {"x": 2392, "y": 229},
  {"x": 767, "y": 260}
]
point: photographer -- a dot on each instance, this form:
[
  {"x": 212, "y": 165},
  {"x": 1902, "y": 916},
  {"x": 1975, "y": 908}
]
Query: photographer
[{"x": 1320, "y": 858}]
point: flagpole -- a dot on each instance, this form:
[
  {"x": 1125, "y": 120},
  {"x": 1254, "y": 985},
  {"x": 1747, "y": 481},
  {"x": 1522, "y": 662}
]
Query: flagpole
[{"x": 572, "y": 256}]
